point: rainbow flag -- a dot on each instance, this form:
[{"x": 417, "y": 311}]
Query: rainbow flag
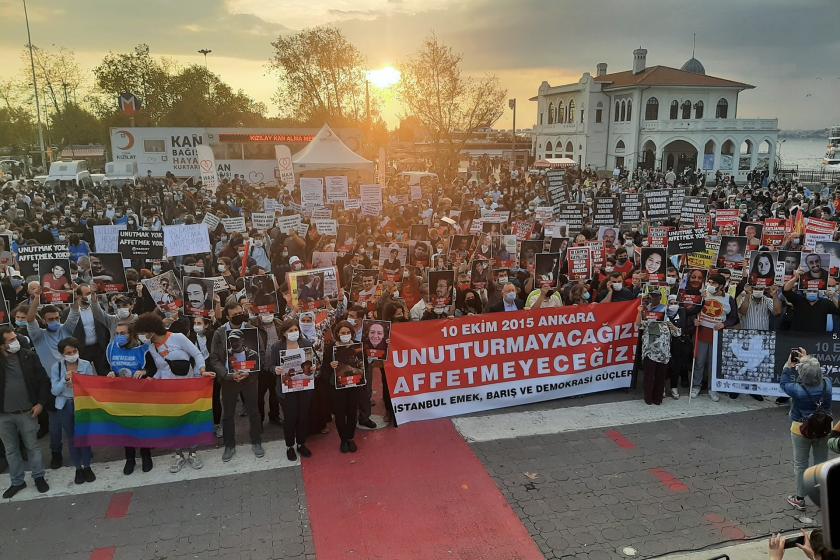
[{"x": 120, "y": 412}]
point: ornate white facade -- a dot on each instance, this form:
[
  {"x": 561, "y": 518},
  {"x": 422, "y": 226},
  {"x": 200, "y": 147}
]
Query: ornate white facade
[{"x": 653, "y": 117}]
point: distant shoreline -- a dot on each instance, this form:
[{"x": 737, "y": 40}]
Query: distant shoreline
[{"x": 804, "y": 134}]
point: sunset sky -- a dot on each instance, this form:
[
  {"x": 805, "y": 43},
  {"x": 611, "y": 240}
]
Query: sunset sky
[{"x": 786, "y": 49}]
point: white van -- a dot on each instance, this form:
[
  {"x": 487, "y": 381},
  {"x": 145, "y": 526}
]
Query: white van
[
  {"x": 120, "y": 174},
  {"x": 75, "y": 171}
]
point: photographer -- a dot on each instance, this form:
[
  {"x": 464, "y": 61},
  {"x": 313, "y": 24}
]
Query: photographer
[{"x": 810, "y": 413}]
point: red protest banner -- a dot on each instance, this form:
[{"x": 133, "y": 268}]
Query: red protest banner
[
  {"x": 774, "y": 232},
  {"x": 447, "y": 367}
]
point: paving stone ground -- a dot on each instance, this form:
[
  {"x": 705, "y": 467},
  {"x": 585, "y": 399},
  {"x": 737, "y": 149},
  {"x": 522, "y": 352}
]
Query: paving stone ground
[
  {"x": 683, "y": 485},
  {"x": 258, "y": 516}
]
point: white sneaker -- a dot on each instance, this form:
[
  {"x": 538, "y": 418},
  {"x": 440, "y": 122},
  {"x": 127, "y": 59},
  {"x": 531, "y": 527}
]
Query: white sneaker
[
  {"x": 675, "y": 393},
  {"x": 695, "y": 392},
  {"x": 194, "y": 460},
  {"x": 714, "y": 396},
  {"x": 178, "y": 463}
]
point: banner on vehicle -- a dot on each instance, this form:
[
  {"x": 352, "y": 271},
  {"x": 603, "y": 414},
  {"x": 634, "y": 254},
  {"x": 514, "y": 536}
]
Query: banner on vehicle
[{"x": 448, "y": 367}]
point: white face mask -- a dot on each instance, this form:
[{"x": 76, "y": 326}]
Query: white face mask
[
  {"x": 670, "y": 280},
  {"x": 123, "y": 312},
  {"x": 13, "y": 346},
  {"x": 71, "y": 358},
  {"x": 673, "y": 308},
  {"x": 198, "y": 329},
  {"x": 143, "y": 338},
  {"x": 711, "y": 288},
  {"x": 345, "y": 338},
  {"x": 292, "y": 336},
  {"x": 266, "y": 318},
  {"x": 617, "y": 286}
]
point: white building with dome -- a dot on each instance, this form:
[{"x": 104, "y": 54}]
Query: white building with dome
[{"x": 654, "y": 117}]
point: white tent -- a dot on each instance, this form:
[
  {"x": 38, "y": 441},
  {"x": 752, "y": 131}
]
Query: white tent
[{"x": 326, "y": 152}]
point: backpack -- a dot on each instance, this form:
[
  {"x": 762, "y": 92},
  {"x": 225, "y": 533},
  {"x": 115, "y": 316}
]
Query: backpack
[{"x": 817, "y": 424}]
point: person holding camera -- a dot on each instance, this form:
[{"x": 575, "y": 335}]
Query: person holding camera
[{"x": 810, "y": 414}]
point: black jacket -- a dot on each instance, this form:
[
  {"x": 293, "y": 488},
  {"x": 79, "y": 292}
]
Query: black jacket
[
  {"x": 37, "y": 382},
  {"x": 500, "y": 306}
]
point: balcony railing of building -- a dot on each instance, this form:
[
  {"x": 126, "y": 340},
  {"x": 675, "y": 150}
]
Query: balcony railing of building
[{"x": 767, "y": 125}]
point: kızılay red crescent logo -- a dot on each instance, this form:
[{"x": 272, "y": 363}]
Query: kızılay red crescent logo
[{"x": 129, "y": 140}]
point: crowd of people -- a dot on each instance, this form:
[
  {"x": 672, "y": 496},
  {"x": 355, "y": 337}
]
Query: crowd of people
[{"x": 329, "y": 295}]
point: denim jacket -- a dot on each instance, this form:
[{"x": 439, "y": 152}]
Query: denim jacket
[{"x": 804, "y": 401}]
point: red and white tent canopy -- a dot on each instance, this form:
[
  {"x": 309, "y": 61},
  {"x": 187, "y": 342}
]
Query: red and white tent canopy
[{"x": 554, "y": 163}]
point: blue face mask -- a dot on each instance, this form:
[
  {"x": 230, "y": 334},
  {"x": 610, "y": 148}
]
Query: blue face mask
[
  {"x": 121, "y": 340},
  {"x": 811, "y": 296},
  {"x": 21, "y": 324},
  {"x": 585, "y": 296},
  {"x": 17, "y": 283},
  {"x": 53, "y": 326}
]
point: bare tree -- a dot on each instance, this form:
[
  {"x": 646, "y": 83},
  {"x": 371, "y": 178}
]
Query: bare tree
[
  {"x": 57, "y": 72},
  {"x": 449, "y": 104},
  {"x": 321, "y": 75}
]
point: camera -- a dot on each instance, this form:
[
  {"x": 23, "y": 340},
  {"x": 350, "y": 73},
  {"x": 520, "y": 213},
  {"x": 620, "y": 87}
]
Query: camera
[
  {"x": 822, "y": 485},
  {"x": 794, "y": 356}
]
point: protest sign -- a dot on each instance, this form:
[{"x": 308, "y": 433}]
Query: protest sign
[
  {"x": 106, "y": 238},
  {"x": 657, "y": 205},
  {"x": 107, "y": 273},
  {"x": 337, "y": 189},
  {"x": 774, "y": 232},
  {"x": 444, "y": 368},
  {"x": 326, "y": 227},
  {"x": 658, "y": 236},
  {"x": 235, "y": 225},
  {"x": 211, "y": 221},
  {"x": 690, "y": 289},
  {"x": 816, "y": 275},
  {"x": 243, "y": 350},
  {"x": 605, "y": 212},
  {"x": 311, "y": 289},
  {"x": 415, "y": 192},
  {"x": 285, "y": 169},
  {"x": 140, "y": 246},
  {"x": 762, "y": 271},
  {"x": 686, "y": 241},
  {"x": 322, "y": 212},
  {"x": 261, "y": 293},
  {"x": 726, "y": 220},
  {"x": 345, "y": 239},
  {"x": 375, "y": 337},
  {"x": 654, "y": 263},
  {"x": 704, "y": 260},
  {"x": 207, "y": 167},
  {"x": 580, "y": 263},
  {"x": 296, "y": 370},
  {"x": 287, "y": 223},
  {"x": 676, "y": 199},
  {"x": 817, "y": 230},
  {"x": 262, "y": 221},
  {"x": 572, "y": 214},
  {"x": 751, "y": 361},
  {"x": 558, "y": 191},
  {"x": 352, "y": 204},
  {"x": 351, "y": 365},
  {"x": 165, "y": 291},
  {"x": 186, "y": 239},
  {"x": 29, "y": 255},
  {"x": 198, "y": 296},
  {"x": 371, "y": 199},
  {"x": 55, "y": 281},
  {"x": 693, "y": 207},
  {"x": 631, "y": 208},
  {"x": 311, "y": 191}
]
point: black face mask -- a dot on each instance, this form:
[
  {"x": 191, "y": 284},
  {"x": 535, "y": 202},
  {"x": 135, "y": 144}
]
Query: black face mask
[{"x": 238, "y": 319}]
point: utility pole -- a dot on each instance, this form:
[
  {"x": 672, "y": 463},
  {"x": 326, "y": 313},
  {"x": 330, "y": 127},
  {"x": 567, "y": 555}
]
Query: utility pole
[
  {"x": 205, "y": 52},
  {"x": 35, "y": 87},
  {"x": 512, "y": 105}
]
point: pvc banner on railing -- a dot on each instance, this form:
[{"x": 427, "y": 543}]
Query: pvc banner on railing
[
  {"x": 457, "y": 366},
  {"x": 748, "y": 361}
]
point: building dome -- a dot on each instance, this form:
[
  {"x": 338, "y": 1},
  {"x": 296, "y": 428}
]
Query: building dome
[{"x": 694, "y": 66}]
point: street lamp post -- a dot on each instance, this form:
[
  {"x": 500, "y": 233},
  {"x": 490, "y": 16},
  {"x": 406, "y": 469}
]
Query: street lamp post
[
  {"x": 512, "y": 105},
  {"x": 205, "y": 52},
  {"x": 35, "y": 87}
]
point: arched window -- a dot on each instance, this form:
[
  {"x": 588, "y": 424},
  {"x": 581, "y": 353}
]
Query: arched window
[
  {"x": 709, "y": 155},
  {"x": 570, "y": 149},
  {"x": 698, "y": 110},
  {"x": 619, "y": 147},
  {"x": 551, "y": 113},
  {"x": 652, "y": 109},
  {"x": 764, "y": 147},
  {"x": 675, "y": 108},
  {"x": 629, "y": 109},
  {"x": 561, "y": 112},
  {"x": 571, "y": 117},
  {"x": 617, "y": 110},
  {"x": 686, "y": 109},
  {"x": 599, "y": 112},
  {"x": 623, "y": 111},
  {"x": 722, "y": 109},
  {"x": 745, "y": 161},
  {"x": 547, "y": 149}
]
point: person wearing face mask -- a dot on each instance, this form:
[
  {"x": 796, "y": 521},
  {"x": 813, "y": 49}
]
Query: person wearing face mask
[
  {"x": 681, "y": 346},
  {"x": 269, "y": 331},
  {"x": 24, "y": 393},
  {"x": 810, "y": 311},
  {"x": 720, "y": 311},
  {"x": 61, "y": 381},
  {"x": 235, "y": 383},
  {"x": 296, "y": 404},
  {"x": 259, "y": 252},
  {"x": 129, "y": 358},
  {"x": 355, "y": 317},
  {"x": 345, "y": 401},
  {"x": 509, "y": 300},
  {"x": 623, "y": 264},
  {"x": 122, "y": 312},
  {"x": 201, "y": 334},
  {"x": 93, "y": 329},
  {"x": 656, "y": 351},
  {"x": 615, "y": 289},
  {"x": 14, "y": 288}
]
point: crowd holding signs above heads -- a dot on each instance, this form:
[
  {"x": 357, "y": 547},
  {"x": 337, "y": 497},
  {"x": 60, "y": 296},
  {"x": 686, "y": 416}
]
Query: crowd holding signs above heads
[{"x": 288, "y": 296}]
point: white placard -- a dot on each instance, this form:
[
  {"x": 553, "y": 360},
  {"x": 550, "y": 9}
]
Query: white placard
[
  {"x": 285, "y": 169},
  {"x": 207, "y": 167},
  {"x": 211, "y": 221},
  {"x": 311, "y": 191},
  {"x": 234, "y": 225},
  {"x": 416, "y": 192},
  {"x": 186, "y": 239},
  {"x": 105, "y": 238},
  {"x": 337, "y": 189},
  {"x": 262, "y": 220},
  {"x": 321, "y": 213},
  {"x": 352, "y": 204},
  {"x": 287, "y": 223},
  {"x": 326, "y": 226}
]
